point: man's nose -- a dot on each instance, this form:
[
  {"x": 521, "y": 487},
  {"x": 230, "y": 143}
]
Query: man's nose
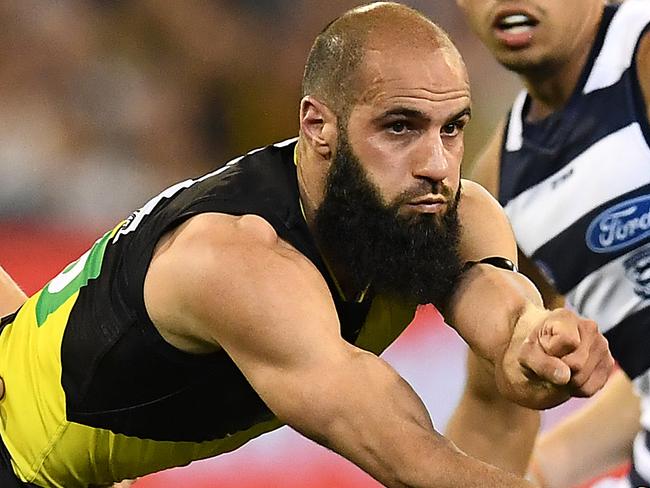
[{"x": 432, "y": 162}]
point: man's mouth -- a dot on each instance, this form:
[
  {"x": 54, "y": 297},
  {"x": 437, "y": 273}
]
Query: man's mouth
[
  {"x": 428, "y": 204},
  {"x": 516, "y": 23},
  {"x": 515, "y": 28}
]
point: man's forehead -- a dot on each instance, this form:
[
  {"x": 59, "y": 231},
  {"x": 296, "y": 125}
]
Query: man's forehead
[
  {"x": 433, "y": 74},
  {"x": 400, "y": 56}
]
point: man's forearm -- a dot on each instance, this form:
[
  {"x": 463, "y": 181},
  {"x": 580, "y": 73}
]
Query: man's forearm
[
  {"x": 493, "y": 310},
  {"x": 592, "y": 440},
  {"x": 541, "y": 357},
  {"x": 455, "y": 469},
  {"x": 11, "y": 296},
  {"x": 487, "y": 426},
  {"x": 384, "y": 428}
]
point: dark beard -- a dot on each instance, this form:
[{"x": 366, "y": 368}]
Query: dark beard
[{"x": 414, "y": 257}]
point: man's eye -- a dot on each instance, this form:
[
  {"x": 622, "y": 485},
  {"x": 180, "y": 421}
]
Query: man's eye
[
  {"x": 451, "y": 129},
  {"x": 398, "y": 127}
]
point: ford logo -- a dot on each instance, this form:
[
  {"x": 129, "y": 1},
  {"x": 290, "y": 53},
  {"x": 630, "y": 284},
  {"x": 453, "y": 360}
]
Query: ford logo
[{"x": 620, "y": 226}]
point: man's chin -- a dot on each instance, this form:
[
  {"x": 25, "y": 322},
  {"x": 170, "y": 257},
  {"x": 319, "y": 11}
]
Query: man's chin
[
  {"x": 525, "y": 62},
  {"x": 430, "y": 219},
  {"x": 418, "y": 210}
]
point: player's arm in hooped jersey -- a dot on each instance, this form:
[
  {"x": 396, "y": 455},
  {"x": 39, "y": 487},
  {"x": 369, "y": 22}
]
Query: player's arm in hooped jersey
[
  {"x": 11, "y": 296},
  {"x": 592, "y": 440},
  {"x": 220, "y": 281},
  {"x": 489, "y": 426},
  {"x": 598, "y": 446}
]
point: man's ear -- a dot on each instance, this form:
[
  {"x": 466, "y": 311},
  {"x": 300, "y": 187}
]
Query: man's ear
[{"x": 318, "y": 126}]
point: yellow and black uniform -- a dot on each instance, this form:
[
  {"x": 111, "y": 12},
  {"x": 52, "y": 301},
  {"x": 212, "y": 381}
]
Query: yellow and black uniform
[{"x": 95, "y": 394}]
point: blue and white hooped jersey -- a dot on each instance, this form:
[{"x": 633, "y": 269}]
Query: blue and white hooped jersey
[{"x": 576, "y": 187}]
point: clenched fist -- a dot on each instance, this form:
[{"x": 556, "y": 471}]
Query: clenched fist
[{"x": 557, "y": 352}]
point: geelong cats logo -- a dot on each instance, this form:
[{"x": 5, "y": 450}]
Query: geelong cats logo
[
  {"x": 637, "y": 269},
  {"x": 620, "y": 226}
]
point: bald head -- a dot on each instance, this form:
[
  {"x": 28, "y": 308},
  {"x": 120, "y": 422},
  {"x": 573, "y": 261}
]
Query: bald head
[{"x": 336, "y": 57}]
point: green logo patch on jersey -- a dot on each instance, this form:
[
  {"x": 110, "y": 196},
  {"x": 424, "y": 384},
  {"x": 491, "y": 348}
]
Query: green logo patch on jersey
[{"x": 72, "y": 278}]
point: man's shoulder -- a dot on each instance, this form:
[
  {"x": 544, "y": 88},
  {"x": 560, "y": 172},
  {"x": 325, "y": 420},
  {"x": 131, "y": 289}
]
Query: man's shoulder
[
  {"x": 617, "y": 43},
  {"x": 210, "y": 232},
  {"x": 474, "y": 193},
  {"x": 261, "y": 182},
  {"x": 280, "y": 152},
  {"x": 222, "y": 242},
  {"x": 485, "y": 228},
  {"x": 478, "y": 207},
  {"x": 217, "y": 263}
]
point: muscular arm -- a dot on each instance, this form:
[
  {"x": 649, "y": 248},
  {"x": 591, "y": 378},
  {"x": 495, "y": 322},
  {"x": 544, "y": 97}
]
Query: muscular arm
[
  {"x": 488, "y": 426},
  {"x": 593, "y": 440},
  {"x": 229, "y": 282},
  {"x": 11, "y": 296},
  {"x": 500, "y": 315},
  {"x": 484, "y": 417}
]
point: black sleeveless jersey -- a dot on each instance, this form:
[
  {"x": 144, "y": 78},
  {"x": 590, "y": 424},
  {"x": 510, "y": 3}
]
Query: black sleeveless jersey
[{"x": 95, "y": 394}]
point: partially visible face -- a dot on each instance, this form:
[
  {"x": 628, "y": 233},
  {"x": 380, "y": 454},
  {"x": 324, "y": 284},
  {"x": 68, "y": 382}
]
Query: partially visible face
[{"x": 533, "y": 34}]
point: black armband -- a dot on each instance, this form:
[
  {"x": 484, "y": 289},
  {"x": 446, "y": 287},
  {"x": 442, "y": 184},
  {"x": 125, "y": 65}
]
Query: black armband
[{"x": 496, "y": 261}]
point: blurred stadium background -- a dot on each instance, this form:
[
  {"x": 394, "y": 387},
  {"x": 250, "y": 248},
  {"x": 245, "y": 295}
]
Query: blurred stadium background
[{"x": 104, "y": 103}]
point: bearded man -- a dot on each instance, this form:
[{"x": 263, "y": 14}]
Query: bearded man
[{"x": 262, "y": 293}]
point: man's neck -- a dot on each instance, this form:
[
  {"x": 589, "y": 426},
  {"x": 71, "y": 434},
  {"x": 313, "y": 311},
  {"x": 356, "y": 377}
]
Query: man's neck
[
  {"x": 551, "y": 87},
  {"x": 312, "y": 172},
  {"x": 309, "y": 176}
]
